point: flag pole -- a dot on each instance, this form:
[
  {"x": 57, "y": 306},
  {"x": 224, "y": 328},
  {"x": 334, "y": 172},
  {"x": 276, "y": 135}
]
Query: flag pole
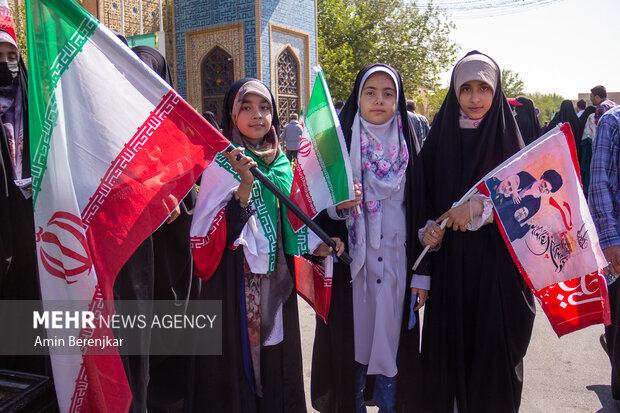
[
  {"x": 464, "y": 199},
  {"x": 295, "y": 209}
]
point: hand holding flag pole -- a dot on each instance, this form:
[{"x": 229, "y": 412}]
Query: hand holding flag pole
[
  {"x": 295, "y": 209},
  {"x": 473, "y": 191}
]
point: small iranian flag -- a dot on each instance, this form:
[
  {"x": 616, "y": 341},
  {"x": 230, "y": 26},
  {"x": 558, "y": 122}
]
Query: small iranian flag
[
  {"x": 323, "y": 175},
  {"x": 113, "y": 150}
]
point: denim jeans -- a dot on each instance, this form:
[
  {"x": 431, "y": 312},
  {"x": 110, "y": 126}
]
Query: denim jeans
[{"x": 384, "y": 393}]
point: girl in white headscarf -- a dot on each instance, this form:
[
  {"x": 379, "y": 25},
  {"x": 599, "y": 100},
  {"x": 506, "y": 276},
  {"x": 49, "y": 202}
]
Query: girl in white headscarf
[{"x": 371, "y": 328}]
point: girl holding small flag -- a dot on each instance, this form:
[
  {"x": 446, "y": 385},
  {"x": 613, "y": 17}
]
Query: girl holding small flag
[
  {"x": 478, "y": 324},
  {"x": 371, "y": 339},
  {"x": 243, "y": 243}
]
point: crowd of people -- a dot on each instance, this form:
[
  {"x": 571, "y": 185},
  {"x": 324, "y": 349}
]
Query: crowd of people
[{"x": 407, "y": 176}]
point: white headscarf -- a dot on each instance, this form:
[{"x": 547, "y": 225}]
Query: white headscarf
[{"x": 379, "y": 159}]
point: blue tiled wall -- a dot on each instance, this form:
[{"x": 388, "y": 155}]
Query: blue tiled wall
[
  {"x": 198, "y": 14},
  {"x": 296, "y": 14}
]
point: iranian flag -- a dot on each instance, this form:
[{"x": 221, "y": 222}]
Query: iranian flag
[
  {"x": 114, "y": 149},
  {"x": 323, "y": 175}
]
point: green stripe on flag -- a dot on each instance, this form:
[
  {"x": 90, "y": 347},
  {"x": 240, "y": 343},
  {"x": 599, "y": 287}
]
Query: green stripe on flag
[
  {"x": 322, "y": 128},
  {"x": 57, "y": 31}
]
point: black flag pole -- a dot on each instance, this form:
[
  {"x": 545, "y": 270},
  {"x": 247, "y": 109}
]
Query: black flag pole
[{"x": 295, "y": 210}]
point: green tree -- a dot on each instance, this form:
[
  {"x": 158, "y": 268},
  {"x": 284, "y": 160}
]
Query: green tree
[
  {"x": 547, "y": 104},
  {"x": 355, "y": 33},
  {"x": 19, "y": 19},
  {"x": 435, "y": 100},
  {"x": 512, "y": 85}
]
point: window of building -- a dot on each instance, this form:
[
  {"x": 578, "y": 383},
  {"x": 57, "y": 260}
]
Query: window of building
[
  {"x": 288, "y": 88},
  {"x": 217, "y": 74}
]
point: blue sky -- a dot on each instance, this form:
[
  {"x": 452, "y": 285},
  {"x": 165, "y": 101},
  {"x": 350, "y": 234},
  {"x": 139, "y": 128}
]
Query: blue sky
[{"x": 565, "y": 47}]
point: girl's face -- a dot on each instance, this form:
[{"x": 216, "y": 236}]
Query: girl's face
[
  {"x": 378, "y": 98},
  {"x": 254, "y": 117},
  {"x": 475, "y": 98}
]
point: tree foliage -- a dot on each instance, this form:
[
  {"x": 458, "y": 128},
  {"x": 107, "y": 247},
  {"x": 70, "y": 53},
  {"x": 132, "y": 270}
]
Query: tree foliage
[
  {"x": 355, "y": 33},
  {"x": 512, "y": 85},
  {"x": 19, "y": 20},
  {"x": 435, "y": 100},
  {"x": 547, "y": 104}
]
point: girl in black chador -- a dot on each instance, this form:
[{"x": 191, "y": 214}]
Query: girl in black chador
[{"x": 479, "y": 319}]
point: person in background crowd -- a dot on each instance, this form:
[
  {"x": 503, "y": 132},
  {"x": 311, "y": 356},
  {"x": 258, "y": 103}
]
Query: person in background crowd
[
  {"x": 581, "y": 106},
  {"x": 159, "y": 269},
  {"x": 567, "y": 114},
  {"x": 598, "y": 97},
  {"x": 604, "y": 202},
  {"x": 420, "y": 123},
  {"x": 478, "y": 323},
  {"x": 338, "y": 106},
  {"x": 589, "y": 130},
  {"x": 210, "y": 117},
  {"x": 527, "y": 119},
  {"x": 291, "y": 136},
  {"x": 18, "y": 263}
]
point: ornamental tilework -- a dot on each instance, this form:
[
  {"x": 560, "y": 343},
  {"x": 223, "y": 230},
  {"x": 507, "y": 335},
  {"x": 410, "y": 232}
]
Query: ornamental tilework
[
  {"x": 298, "y": 15},
  {"x": 250, "y": 48},
  {"x": 200, "y": 42},
  {"x": 279, "y": 42},
  {"x": 255, "y": 17},
  {"x": 190, "y": 15}
]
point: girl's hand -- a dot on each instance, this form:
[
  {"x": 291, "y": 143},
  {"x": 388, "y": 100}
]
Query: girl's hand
[
  {"x": 173, "y": 206},
  {"x": 324, "y": 250},
  {"x": 432, "y": 235},
  {"x": 459, "y": 216},
  {"x": 357, "y": 189},
  {"x": 422, "y": 297},
  {"x": 242, "y": 166}
]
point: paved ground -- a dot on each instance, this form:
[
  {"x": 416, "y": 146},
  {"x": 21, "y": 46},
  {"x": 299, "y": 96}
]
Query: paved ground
[{"x": 567, "y": 375}]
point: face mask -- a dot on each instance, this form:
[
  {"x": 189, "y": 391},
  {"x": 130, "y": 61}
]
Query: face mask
[{"x": 8, "y": 72}]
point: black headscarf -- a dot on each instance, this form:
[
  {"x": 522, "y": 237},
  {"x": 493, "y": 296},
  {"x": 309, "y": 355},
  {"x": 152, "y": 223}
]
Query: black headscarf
[
  {"x": 442, "y": 154},
  {"x": 229, "y": 100},
  {"x": 527, "y": 120},
  {"x": 347, "y": 114},
  {"x": 567, "y": 114},
  {"x": 155, "y": 61},
  {"x": 210, "y": 117}
]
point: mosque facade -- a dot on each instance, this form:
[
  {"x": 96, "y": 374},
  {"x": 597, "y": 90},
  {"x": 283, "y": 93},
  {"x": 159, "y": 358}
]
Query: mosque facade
[{"x": 211, "y": 43}]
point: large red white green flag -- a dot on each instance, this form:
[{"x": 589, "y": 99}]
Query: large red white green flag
[
  {"x": 543, "y": 216},
  {"x": 113, "y": 149},
  {"x": 323, "y": 175}
]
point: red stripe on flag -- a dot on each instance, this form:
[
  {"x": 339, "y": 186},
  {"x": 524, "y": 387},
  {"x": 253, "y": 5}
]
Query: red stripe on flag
[
  {"x": 313, "y": 286},
  {"x": 207, "y": 251},
  {"x": 145, "y": 182},
  {"x": 570, "y": 139},
  {"x": 300, "y": 194},
  {"x": 101, "y": 384}
]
